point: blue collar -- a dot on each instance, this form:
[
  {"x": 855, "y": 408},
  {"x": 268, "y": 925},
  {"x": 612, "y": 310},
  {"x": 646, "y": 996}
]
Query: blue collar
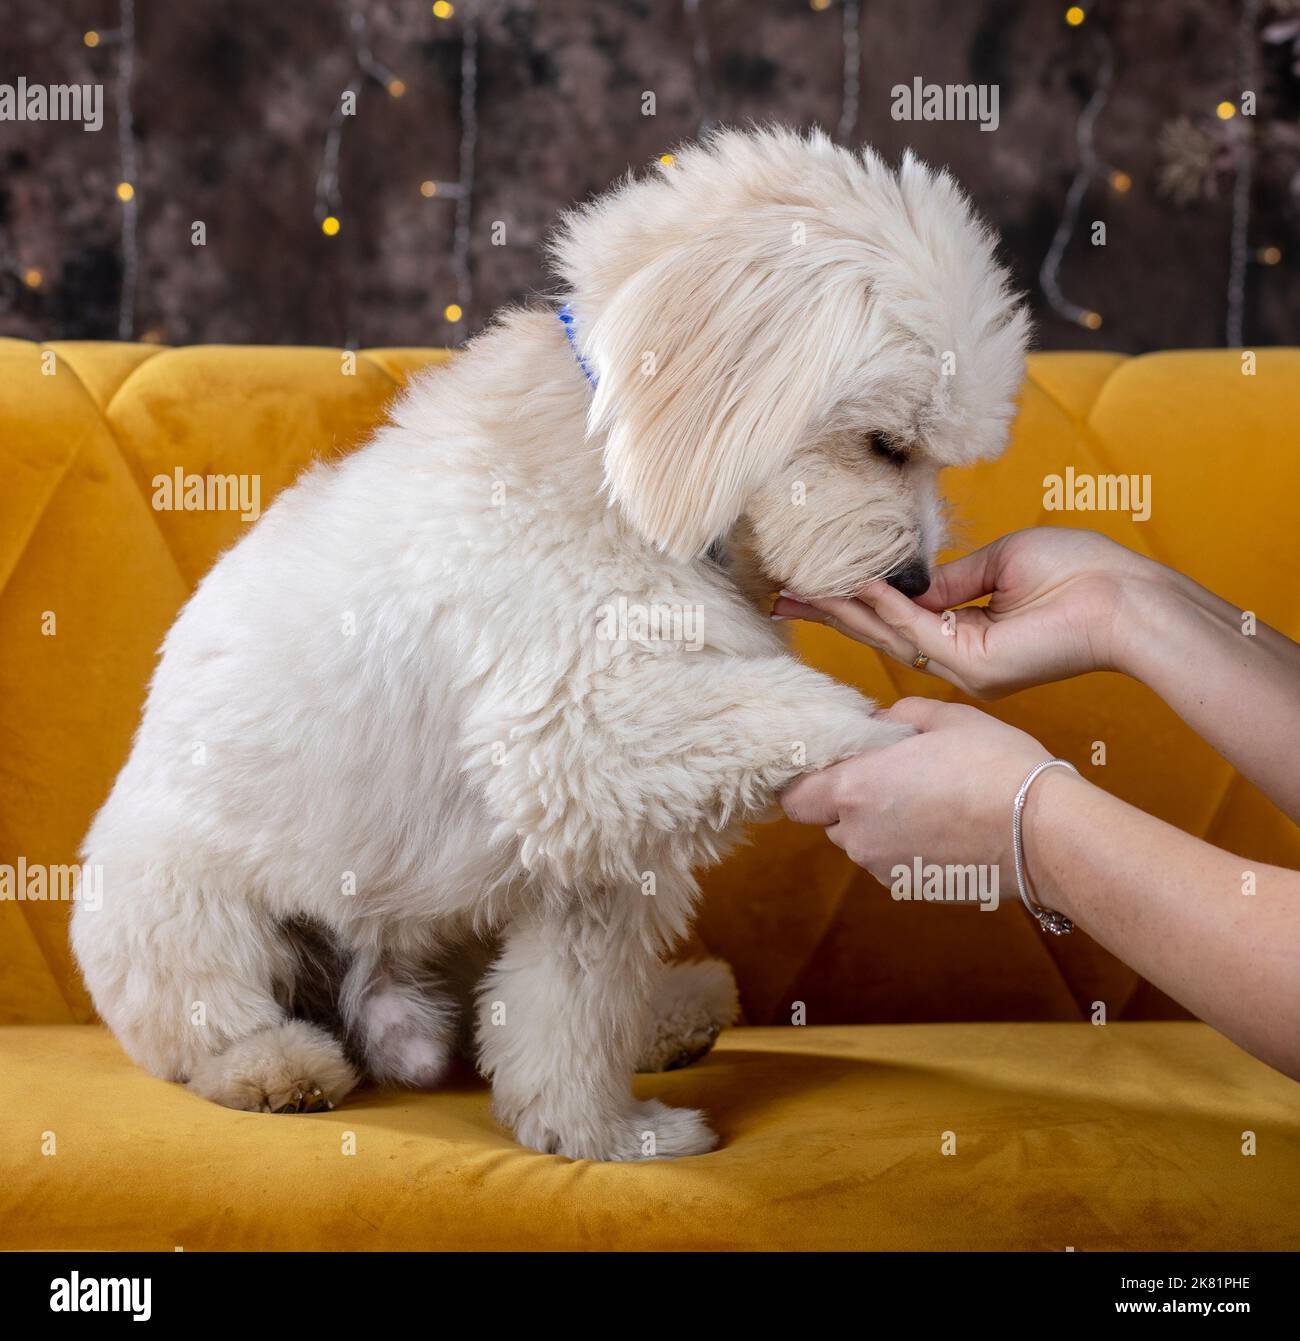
[{"x": 566, "y": 316}]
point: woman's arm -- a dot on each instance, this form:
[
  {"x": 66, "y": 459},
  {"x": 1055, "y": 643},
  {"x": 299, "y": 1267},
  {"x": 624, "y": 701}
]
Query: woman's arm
[
  {"x": 1220, "y": 935},
  {"x": 1238, "y": 690}
]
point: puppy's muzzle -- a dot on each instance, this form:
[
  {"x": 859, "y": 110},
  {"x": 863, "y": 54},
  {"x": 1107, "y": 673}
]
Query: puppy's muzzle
[{"x": 912, "y": 579}]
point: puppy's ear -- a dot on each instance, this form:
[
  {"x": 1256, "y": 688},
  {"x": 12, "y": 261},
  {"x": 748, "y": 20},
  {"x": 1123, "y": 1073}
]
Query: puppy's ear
[{"x": 712, "y": 360}]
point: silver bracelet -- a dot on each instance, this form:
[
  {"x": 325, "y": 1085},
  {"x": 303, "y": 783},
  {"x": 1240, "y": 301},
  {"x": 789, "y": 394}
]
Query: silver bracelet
[{"x": 1047, "y": 918}]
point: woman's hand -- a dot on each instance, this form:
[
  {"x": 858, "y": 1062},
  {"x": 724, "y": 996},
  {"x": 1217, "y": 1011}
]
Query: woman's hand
[
  {"x": 943, "y": 794},
  {"x": 1172, "y": 907},
  {"x": 1056, "y": 609}
]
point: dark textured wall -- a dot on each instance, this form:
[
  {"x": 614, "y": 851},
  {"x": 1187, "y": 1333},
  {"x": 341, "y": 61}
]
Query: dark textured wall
[{"x": 232, "y": 99}]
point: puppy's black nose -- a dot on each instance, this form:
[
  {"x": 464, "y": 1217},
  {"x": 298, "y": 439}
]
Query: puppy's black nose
[{"x": 913, "y": 579}]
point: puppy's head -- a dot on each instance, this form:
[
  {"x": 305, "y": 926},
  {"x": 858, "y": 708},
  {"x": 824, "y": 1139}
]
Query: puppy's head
[{"x": 794, "y": 335}]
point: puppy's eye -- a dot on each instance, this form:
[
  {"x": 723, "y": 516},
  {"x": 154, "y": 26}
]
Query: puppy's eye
[{"x": 886, "y": 449}]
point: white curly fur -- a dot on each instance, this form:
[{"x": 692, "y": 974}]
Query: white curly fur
[{"x": 390, "y": 709}]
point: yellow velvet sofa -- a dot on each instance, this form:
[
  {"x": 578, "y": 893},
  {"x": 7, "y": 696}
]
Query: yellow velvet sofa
[{"x": 908, "y": 1077}]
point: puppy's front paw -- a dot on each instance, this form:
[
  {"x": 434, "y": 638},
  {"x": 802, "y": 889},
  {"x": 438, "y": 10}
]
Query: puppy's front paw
[
  {"x": 649, "y": 1130},
  {"x": 880, "y": 732},
  {"x": 667, "y": 1133},
  {"x": 844, "y": 727}
]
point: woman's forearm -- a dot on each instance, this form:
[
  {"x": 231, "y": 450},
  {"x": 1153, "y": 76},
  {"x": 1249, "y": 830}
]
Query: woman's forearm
[
  {"x": 1236, "y": 686},
  {"x": 1217, "y": 933}
]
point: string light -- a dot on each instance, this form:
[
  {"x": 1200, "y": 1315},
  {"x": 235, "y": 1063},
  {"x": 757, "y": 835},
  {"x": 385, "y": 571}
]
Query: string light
[
  {"x": 700, "y": 57},
  {"x": 329, "y": 192},
  {"x": 1244, "y": 163},
  {"x": 377, "y": 71},
  {"x": 1090, "y": 166},
  {"x": 32, "y": 277},
  {"x": 850, "y": 65},
  {"x": 329, "y": 195},
  {"x": 468, "y": 146},
  {"x": 461, "y": 190},
  {"x": 127, "y": 158},
  {"x": 851, "y": 40}
]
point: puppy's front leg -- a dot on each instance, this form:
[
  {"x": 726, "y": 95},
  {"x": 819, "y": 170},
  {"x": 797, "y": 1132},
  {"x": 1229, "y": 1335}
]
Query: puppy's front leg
[
  {"x": 562, "y": 1015},
  {"x": 653, "y": 777},
  {"x": 747, "y": 727}
]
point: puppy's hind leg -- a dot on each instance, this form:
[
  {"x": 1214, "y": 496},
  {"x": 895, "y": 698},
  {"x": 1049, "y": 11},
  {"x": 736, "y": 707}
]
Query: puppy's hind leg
[
  {"x": 692, "y": 1004},
  {"x": 185, "y": 972}
]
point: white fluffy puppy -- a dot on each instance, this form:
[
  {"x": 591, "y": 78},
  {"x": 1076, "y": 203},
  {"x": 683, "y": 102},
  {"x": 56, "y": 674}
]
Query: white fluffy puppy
[{"x": 460, "y": 716}]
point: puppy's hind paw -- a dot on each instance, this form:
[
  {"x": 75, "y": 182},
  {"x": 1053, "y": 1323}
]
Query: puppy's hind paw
[
  {"x": 692, "y": 1005},
  {"x": 292, "y": 1067},
  {"x": 312, "y": 1102}
]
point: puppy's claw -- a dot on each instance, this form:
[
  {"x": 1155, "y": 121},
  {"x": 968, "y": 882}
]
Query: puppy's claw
[
  {"x": 294, "y": 1105},
  {"x": 313, "y": 1101}
]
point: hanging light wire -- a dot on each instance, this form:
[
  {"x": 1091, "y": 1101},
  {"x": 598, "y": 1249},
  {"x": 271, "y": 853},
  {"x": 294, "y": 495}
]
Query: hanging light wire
[
  {"x": 128, "y": 185},
  {"x": 851, "y": 84},
  {"x": 1090, "y": 166},
  {"x": 1244, "y": 164},
  {"x": 701, "y": 60},
  {"x": 468, "y": 146}
]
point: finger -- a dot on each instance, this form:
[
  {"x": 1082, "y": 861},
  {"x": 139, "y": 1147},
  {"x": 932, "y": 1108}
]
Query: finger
[
  {"x": 856, "y": 620},
  {"x": 811, "y": 798},
  {"x": 916, "y": 629},
  {"x": 791, "y": 607},
  {"x": 965, "y": 579},
  {"x": 926, "y": 714}
]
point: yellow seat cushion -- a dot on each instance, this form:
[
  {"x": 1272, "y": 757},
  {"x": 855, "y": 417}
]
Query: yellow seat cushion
[{"x": 1065, "y": 1135}]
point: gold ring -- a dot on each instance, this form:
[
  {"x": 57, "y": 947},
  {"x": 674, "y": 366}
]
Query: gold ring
[{"x": 920, "y": 661}]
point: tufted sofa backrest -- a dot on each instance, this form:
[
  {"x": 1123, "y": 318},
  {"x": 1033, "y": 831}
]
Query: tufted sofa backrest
[{"x": 91, "y": 576}]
